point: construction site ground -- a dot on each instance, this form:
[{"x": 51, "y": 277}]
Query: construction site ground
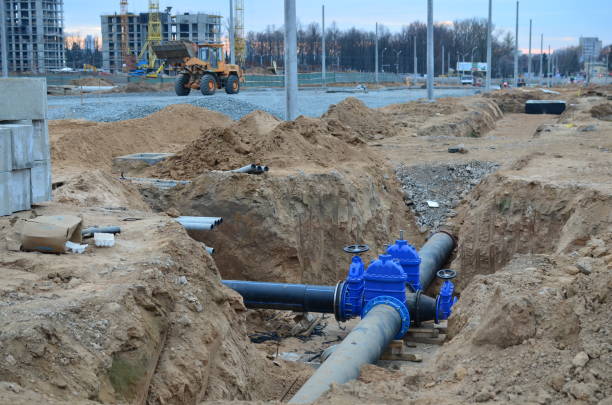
[{"x": 528, "y": 197}]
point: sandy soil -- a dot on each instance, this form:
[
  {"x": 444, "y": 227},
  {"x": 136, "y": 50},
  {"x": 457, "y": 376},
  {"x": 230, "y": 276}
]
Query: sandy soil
[{"x": 149, "y": 321}]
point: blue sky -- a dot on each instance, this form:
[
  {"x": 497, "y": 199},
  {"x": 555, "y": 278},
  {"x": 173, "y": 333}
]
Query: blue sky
[{"x": 561, "y": 21}]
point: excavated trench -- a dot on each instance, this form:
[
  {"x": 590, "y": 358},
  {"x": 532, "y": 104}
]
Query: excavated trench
[{"x": 531, "y": 258}]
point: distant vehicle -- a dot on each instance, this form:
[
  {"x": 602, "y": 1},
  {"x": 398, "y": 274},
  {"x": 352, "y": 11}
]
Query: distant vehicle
[
  {"x": 200, "y": 66},
  {"x": 467, "y": 80}
]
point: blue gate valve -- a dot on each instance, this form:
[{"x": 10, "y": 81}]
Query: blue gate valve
[
  {"x": 409, "y": 259},
  {"x": 445, "y": 299}
]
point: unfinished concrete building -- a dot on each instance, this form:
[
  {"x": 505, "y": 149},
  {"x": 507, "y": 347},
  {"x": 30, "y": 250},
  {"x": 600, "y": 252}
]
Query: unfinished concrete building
[
  {"x": 35, "y": 34},
  {"x": 198, "y": 28}
]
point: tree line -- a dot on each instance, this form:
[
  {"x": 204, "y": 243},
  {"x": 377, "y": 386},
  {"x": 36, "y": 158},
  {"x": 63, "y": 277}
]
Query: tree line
[{"x": 354, "y": 49}]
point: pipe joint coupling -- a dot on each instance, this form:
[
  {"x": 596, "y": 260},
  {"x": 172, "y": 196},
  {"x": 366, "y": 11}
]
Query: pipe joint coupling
[{"x": 399, "y": 306}]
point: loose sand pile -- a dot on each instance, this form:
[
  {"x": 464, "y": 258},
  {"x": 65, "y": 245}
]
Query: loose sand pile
[
  {"x": 92, "y": 81},
  {"x": 84, "y": 144},
  {"x": 602, "y": 111},
  {"x": 261, "y": 138},
  {"x": 367, "y": 123}
]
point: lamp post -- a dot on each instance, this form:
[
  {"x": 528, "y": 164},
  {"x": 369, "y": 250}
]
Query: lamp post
[
  {"x": 382, "y": 60},
  {"x": 397, "y": 54}
]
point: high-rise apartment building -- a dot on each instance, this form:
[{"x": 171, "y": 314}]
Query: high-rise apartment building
[
  {"x": 35, "y": 35},
  {"x": 590, "y": 48},
  {"x": 198, "y": 28},
  {"x": 90, "y": 43}
]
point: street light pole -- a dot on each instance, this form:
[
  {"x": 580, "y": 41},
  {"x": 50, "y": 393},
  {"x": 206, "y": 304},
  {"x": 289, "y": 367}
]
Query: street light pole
[
  {"x": 291, "y": 76},
  {"x": 4, "y": 43},
  {"x": 516, "y": 46},
  {"x": 376, "y": 55},
  {"x": 323, "y": 67},
  {"x": 382, "y": 60},
  {"x": 397, "y": 54},
  {"x": 541, "y": 56},
  {"x": 489, "y": 46},
  {"x": 529, "y": 59},
  {"x": 415, "y": 58},
  {"x": 430, "y": 51},
  {"x": 232, "y": 34}
]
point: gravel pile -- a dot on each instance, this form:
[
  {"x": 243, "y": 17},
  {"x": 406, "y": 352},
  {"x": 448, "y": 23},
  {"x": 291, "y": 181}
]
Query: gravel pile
[
  {"x": 123, "y": 108},
  {"x": 444, "y": 184}
]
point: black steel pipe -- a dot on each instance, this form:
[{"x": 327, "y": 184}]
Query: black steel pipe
[
  {"x": 291, "y": 297},
  {"x": 434, "y": 254}
]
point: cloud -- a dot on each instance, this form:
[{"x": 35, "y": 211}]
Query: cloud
[{"x": 449, "y": 23}]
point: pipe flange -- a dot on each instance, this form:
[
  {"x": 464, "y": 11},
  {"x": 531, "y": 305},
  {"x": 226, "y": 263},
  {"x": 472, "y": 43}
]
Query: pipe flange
[
  {"x": 399, "y": 306},
  {"x": 338, "y": 294}
]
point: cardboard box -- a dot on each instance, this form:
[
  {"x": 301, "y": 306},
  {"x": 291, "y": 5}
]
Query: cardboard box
[{"x": 49, "y": 234}]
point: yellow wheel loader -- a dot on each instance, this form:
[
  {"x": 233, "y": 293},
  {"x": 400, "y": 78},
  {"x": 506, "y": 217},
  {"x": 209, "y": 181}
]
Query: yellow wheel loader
[{"x": 200, "y": 66}]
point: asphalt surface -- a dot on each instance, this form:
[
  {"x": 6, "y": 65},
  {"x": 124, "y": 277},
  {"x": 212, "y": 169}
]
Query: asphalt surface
[{"x": 311, "y": 102}]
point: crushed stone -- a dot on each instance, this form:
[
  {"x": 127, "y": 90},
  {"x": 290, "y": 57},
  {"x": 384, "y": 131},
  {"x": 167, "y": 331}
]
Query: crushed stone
[{"x": 445, "y": 184}]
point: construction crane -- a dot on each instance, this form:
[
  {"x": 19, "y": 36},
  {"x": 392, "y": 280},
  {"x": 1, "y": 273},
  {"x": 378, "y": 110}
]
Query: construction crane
[
  {"x": 125, "y": 46},
  {"x": 147, "y": 58}
]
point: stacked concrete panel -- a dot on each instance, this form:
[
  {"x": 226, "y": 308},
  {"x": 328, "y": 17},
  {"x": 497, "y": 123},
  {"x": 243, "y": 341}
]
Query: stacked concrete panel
[{"x": 25, "y": 160}]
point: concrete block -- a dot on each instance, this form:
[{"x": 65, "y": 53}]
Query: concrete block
[
  {"x": 42, "y": 148},
  {"x": 23, "y": 99},
  {"x": 22, "y": 145},
  {"x": 40, "y": 177},
  {"x": 6, "y": 150},
  {"x": 20, "y": 190},
  {"x": 5, "y": 195}
]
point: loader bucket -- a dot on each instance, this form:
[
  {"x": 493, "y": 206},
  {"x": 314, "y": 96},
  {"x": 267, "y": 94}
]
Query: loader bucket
[{"x": 175, "y": 51}]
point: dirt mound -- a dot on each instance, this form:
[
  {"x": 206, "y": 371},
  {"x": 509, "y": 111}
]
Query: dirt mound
[
  {"x": 291, "y": 226},
  {"x": 95, "y": 188},
  {"x": 513, "y": 101},
  {"x": 92, "y": 81},
  {"x": 602, "y": 111},
  {"x": 353, "y": 113},
  {"x": 145, "y": 321},
  {"x": 261, "y": 138},
  {"x": 85, "y": 144},
  {"x": 479, "y": 118},
  {"x": 508, "y": 215}
]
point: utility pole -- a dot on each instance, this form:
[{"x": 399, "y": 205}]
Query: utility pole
[
  {"x": 430, "y": 51},
  {"x": 516, "y": 46},
  {"x": 489, "y": 46},
  {"x": 376, "y": 55},
  {"x": 442, "y": 71},
  {"x": 415, "y": 59},
  {"x": 291, "y": 76},
  {"x": 232, "y": 34},
  {"x": 323, "y": 46},
  {"x": 4, "y": 43},
  {"x": 549, "y": 66},
  {"x": 541, "y": 56},
  {"x": 529, "y": 58}
]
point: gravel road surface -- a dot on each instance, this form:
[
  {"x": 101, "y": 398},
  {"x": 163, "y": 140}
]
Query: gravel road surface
[{"x": 313, "y": 103}]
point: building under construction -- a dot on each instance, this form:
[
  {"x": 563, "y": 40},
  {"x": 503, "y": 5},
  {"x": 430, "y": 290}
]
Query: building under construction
[
  {"x": 35, "y": 35},
  {"x": 198, "y": 27}
]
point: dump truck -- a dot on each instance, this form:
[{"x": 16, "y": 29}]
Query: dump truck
[{"x": 199, "y": 66}]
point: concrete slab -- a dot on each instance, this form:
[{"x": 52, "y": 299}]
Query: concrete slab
[
  {"x": 20, "y": 193},
  {"x": 42, "y": 149},
  {"x": 131, "y": 165},
  {"x": 22, "y": 145},
  {"x": 5, "y": 196},
  {"x": 6, "y": 150},
  {"x": 23, "y": 99},
  {"x": 41, "y": 181}
]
